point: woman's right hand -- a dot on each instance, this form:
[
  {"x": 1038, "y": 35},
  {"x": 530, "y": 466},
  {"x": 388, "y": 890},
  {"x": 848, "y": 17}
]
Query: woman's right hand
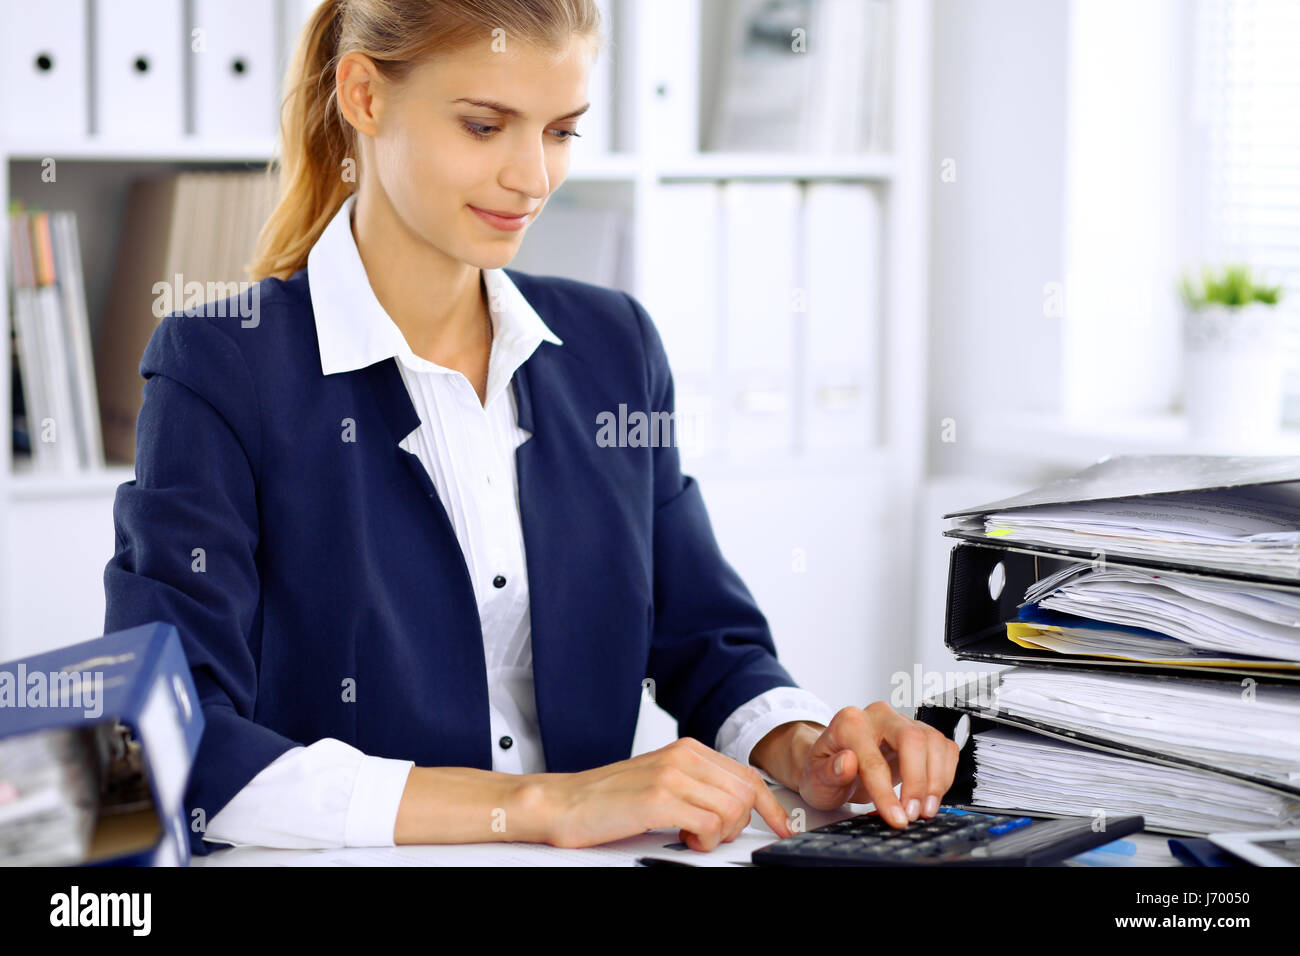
[{"x": 706, "y": 795}]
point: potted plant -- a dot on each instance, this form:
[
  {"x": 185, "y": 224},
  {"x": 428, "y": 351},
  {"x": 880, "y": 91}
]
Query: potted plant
[{"x": 1232, "y": 351}]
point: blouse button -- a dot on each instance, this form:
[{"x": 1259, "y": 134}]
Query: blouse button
[
  {"x": 498, "y": 581},
  {"x": 506, "y": 743}
]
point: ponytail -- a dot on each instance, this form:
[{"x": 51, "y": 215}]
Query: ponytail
[{"x": 316, "y": 141}]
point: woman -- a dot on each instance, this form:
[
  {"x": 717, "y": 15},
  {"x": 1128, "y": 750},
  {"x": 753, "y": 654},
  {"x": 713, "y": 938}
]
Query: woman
[{"x": 332, "y": 500}]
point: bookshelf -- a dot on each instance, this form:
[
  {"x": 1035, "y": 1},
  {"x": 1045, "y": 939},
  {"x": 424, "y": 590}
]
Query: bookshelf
[{"x": 58, "y": 529}]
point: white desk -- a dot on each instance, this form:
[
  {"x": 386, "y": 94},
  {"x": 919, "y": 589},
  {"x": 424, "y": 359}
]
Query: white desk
[{"x": 1144, "y": 849}]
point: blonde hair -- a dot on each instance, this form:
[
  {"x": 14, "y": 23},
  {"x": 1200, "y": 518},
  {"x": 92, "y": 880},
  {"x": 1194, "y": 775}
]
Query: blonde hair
[{"x": 397, "y": 35}]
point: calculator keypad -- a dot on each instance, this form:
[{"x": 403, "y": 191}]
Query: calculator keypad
[{"x": 868, "y": 838}]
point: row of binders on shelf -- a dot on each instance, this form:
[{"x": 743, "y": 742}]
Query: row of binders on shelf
[
  {"x": 1149, "y": 609},
  {"x": 97, "y": 741},
  {"x": 123, "y": 68},
  {"x": 768, "y": 298},
  {"x": 56, "y": 423},
  {"x": 163, "y": 69},
  {"x": 792, "y": 76}
]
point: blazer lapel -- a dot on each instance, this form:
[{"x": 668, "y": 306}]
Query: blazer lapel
[
  {"x": 537, "y": 507},
  {"x": 467, "y": 682},
  {"x": 550, "y": 488},
  {"x": 401, "y": 418},
  {"x": 391, "y": 396}
]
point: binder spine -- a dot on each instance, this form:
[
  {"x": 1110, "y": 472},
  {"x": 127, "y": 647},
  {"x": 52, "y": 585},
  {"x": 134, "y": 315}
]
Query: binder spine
[
  {"x": 169, "y": 723},
  {"x": 944, "y": 719}
]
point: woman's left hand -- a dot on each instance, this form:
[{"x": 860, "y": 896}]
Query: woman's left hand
[{"x": 865, "y": 752}]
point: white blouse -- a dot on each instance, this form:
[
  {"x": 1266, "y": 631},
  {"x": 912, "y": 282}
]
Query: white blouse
[{"x": 330, "y": 794}]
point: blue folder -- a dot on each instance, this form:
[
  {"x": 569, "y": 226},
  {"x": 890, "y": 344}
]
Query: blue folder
[{"x": 144, "y": 683}]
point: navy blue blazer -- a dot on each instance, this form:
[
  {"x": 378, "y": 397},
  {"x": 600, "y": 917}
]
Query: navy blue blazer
[{"x": 326, "y": 561}]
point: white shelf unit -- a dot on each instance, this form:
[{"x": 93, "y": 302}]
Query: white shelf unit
[{"x": 853, "y": 514}]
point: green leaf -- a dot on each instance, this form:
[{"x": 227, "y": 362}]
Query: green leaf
[{"x": 1231, "y": 285}]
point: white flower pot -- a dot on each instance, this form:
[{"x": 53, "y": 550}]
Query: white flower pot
[{"x": 1232, "y": 373}]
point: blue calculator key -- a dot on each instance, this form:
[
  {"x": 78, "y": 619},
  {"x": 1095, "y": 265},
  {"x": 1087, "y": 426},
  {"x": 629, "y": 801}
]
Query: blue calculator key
[
  {"x": 954, "y": 811},
  {"x": 1001, "y": 828},
  {"x": 1022, "y": 821}
]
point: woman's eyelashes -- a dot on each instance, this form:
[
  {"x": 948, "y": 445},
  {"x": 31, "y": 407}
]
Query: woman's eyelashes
[
  {"x": 478, "y": 131},
  {"x": 482, "y": 131}
]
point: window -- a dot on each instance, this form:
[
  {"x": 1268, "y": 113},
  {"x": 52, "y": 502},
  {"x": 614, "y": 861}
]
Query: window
[{"x": 1247, "y": 108}]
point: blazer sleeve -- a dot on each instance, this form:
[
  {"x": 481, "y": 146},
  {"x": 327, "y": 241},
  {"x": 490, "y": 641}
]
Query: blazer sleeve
[
  {"x": 186, "y": 540},
  {"x": 711, "y": 649}
]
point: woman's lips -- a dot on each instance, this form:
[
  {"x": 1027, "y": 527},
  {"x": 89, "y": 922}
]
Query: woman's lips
[{"x": 503, "y": 221}]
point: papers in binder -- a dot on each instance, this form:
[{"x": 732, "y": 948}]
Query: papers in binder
[
  {"x": 1159, "y": 616},
  {"x": 1020, "y": 769},
  {"x": 1246, "y": 530},
  {"x": 1120, "y": 645},
  {"x": 48, "y": 797},
  {"x": 1214, "y": 723}
]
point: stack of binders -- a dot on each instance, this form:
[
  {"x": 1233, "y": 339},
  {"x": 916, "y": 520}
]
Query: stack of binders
[{"x": 1149, "y": 609}]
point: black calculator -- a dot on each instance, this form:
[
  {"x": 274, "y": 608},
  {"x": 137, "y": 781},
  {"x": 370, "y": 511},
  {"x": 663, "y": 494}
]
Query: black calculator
[{"x": 955, "y": 836}]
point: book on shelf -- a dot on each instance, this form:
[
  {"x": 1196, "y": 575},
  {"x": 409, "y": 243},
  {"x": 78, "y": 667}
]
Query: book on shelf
[
  {"x": 56, "y": 410},
  {"x": 169, "y": 265}
]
